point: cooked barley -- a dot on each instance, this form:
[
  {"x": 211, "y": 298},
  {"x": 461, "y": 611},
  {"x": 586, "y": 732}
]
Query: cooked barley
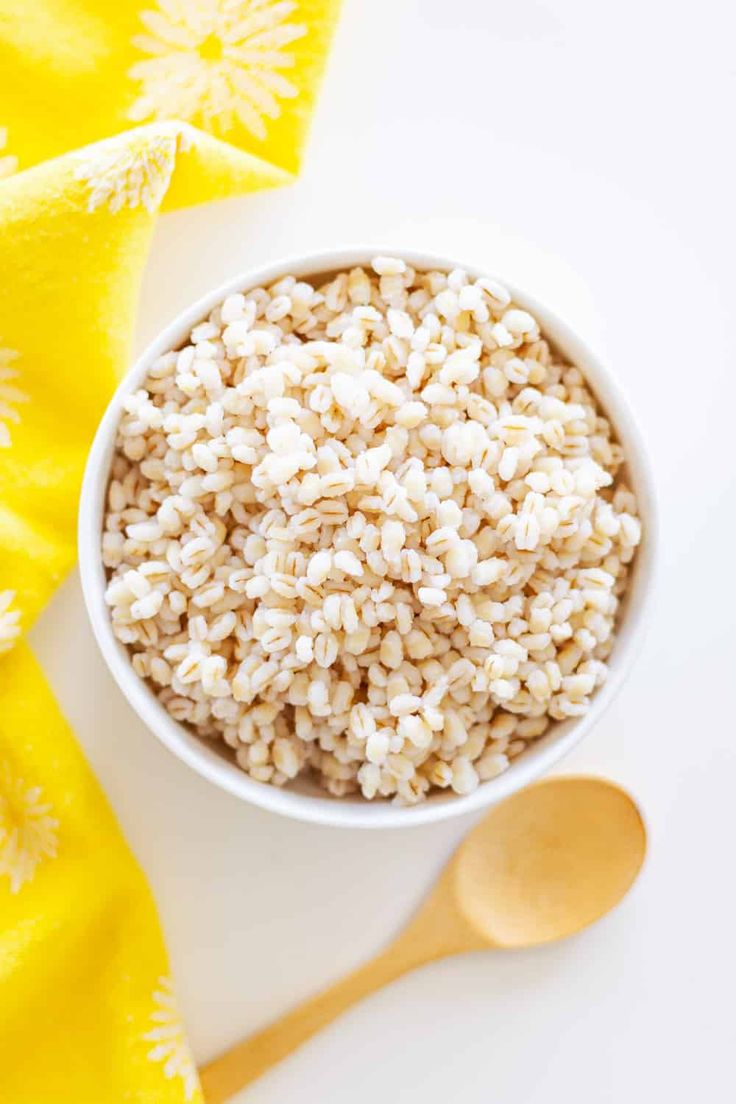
[{"x": 375, "y": 530}]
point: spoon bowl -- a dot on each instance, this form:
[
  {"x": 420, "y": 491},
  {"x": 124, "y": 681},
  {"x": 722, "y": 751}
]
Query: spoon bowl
[
  {"x": 541, "y": 866},
  {"x": 549, "y": 861}
]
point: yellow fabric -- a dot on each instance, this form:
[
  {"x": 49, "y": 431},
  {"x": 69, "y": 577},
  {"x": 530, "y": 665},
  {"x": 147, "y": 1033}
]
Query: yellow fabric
[{"x": 224, "y": 90}]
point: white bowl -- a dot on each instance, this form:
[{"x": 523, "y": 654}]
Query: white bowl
[{"x": 303, "y": 800}]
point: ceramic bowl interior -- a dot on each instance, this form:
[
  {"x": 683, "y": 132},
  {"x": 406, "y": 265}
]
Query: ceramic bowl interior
[{"x": 303, "y": 799}]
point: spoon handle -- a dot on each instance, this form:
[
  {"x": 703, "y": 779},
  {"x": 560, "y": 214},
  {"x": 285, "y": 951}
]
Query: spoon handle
[{"x": 237, "y": 1067}]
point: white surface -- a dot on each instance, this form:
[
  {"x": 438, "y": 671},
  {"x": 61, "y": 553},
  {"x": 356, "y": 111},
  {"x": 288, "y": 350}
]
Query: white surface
[
  {"x": 584, "y": 149},
  {"x": 300, "y": 800}
]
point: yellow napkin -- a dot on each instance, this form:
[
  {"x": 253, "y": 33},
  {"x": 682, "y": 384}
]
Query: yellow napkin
[{"x": 224, "y": 90}]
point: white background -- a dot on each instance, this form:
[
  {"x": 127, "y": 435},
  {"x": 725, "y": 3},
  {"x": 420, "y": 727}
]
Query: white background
[{"x": 585, "y": 151}]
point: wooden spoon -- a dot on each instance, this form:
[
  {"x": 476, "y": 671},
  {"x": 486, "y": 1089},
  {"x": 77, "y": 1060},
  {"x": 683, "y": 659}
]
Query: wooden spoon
[{"x": 540, "y": 866}]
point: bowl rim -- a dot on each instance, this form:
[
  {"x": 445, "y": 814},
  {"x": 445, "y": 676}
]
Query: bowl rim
[{"x": 352, "y": 812}]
